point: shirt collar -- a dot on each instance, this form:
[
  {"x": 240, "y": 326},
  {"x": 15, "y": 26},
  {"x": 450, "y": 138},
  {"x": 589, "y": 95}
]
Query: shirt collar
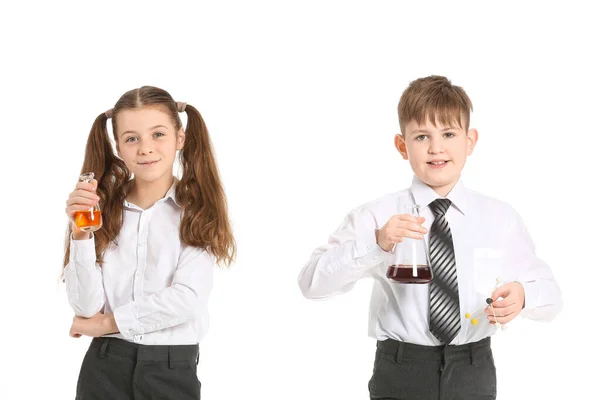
[
  {"x": 169, "y": 195},
  {"x": 424, "y": 194},
  {"x": 171, "y": 192}
]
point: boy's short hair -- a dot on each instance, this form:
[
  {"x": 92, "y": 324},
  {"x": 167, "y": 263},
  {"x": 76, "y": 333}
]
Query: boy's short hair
[{"x": 434, "y": 98}]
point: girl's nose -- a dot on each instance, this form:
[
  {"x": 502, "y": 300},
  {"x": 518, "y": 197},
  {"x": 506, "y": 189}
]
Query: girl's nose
[{"x": 145, "y": 148}]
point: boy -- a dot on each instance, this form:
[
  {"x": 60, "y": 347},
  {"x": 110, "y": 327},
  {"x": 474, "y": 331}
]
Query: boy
[{"x": 426, "y": 348}]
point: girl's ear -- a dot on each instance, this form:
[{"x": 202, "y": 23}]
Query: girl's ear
[{"x": 180, "y": 138}]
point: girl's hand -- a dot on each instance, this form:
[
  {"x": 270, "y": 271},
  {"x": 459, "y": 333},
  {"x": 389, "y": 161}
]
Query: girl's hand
[
  {"x": 82, "y": 198},
  {"x": 96, "y": 326}
]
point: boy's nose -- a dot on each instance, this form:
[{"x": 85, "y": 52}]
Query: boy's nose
[{"x": 435, "y": 147}]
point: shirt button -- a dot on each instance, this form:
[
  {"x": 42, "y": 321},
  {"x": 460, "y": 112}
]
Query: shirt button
[{"x": 138, "y": 273}]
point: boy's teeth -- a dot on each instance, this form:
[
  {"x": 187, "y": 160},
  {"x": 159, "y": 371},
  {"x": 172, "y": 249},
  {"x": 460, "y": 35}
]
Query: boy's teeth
[{"x": 438, "y": 162}]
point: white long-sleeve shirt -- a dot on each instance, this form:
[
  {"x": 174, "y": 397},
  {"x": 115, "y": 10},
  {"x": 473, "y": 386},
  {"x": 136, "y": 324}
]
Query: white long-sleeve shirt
[
  {"x": 156, "y": 286},
  {"x": 490, "y": 242}
]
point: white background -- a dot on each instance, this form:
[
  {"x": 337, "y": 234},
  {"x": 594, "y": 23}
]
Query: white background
[{"x": 300, "y": 99}]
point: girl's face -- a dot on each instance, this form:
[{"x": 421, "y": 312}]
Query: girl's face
[{"x": 148, "y": 142}]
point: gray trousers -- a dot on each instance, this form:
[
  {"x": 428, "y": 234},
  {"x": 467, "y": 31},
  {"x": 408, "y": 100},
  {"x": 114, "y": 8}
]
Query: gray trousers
[
  {"x": 405, "y": 371},
  {"x": 119, "y": 370}
]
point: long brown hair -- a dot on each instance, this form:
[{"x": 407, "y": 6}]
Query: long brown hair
[{"x": 199, "y": 192}]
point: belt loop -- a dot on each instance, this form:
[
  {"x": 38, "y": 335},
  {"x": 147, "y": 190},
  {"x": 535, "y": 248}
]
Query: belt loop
[
  {"x": 103, "y": 347},
  {"x": 170, "y": 358},
  {"x": 472, "y": 353},
  {"x": 399, "y": 351}
]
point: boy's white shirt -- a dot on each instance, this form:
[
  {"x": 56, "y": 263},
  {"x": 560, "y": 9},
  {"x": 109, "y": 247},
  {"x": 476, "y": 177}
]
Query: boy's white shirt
[
  {"x": 156, "y": 286},
  {"x": 490, "y": 242}
]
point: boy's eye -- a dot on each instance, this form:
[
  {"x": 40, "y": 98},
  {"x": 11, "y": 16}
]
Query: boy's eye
[
  {"x": 449, "y": 134},
  {"x": 420, "y": 138}
]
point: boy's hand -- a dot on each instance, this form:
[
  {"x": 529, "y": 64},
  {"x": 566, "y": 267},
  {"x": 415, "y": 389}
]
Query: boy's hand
[
  {"x": 510, "y": 306},
  {"x": 399, "y": 227}
]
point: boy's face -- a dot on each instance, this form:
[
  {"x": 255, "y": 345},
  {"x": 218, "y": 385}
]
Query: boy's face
[{"x": 436, "y": 153}]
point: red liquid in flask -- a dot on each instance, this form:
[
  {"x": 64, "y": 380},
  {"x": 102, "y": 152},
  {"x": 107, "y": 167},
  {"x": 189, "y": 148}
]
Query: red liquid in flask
[{"x": 403, "y": 273}]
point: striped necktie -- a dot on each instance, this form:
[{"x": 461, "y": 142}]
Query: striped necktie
[{"x": 444, "y": 308}]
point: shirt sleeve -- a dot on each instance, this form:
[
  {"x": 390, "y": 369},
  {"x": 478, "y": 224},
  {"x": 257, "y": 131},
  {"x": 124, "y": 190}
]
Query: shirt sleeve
[
  {"x": 83, "y": 278},
  {"x": 350, "y": 254},
  {"x": 174, "y": 305},
  {"x": 543, "y": 297}
]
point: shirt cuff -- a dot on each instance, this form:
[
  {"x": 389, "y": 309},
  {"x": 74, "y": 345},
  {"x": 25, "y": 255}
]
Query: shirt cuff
[
  {"x": 84, "y": 249},
  {"x": 367, "y": 249},
  {"x": 128, "y": 324},
  {"x": 529, "y": 289}
]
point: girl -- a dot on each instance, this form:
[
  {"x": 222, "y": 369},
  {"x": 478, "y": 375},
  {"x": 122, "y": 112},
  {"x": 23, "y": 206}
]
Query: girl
[{"x": 140, "y": 284}]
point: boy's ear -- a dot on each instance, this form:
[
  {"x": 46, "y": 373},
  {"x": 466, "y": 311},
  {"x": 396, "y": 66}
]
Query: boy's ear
[
  {"x": 180, "y": 138},
  {"x": 472, "y": 136},
  {"x": 401, "y": 145}
]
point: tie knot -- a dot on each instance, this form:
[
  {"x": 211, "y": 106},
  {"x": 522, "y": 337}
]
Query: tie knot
[{"x": 440, "y": 206}]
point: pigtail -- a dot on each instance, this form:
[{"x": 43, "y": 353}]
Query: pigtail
[
  {"x": 112, "y": 176},
  {"x": 205, "y": 221}
]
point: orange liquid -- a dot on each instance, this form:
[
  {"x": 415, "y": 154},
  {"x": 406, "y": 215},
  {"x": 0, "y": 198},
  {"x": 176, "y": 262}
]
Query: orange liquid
[{"x": 88, "y": 221}]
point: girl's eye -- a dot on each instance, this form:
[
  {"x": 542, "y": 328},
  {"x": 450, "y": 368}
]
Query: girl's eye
[
  {"x": 159, "y": 134},
  {"x": 129, "y": 139}
]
